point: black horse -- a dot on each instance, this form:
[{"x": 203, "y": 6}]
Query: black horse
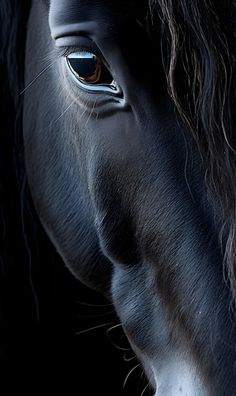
[{"x": 129, "y": 144}]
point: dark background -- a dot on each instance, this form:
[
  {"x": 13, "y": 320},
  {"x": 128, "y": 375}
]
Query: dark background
[{"x": 47, "y": 344}]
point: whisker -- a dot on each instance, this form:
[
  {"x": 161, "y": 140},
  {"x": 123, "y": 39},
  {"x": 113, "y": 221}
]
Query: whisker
[
  {"x": 96, "y": 316},
  {"x": 84, "y": 111},
  {"x": 90, "y": 114},
  {"x": 62, "y": 114},
  {"x": 126, "y": 359},
  {"x": 144, "y": 390},
  {"x": 93, "y": 305},
  {"x": 120, "y": 348},
  {"x": 93, "y": 328},
  {"x": 36, "y": 78},
  {"x": 129, "y": 374},
  {"x": 114, "y": 327},
  {"x": 112, "y": 341},
  {"x": 97, "y": 115},
  {"x": 67, "y": 108}
]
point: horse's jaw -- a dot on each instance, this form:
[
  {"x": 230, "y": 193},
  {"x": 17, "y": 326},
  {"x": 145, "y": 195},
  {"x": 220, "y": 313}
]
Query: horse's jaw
[{"x": 178, "y": 377}]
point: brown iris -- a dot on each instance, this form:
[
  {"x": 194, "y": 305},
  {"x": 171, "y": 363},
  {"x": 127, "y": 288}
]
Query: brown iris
[{"x": 88, "y": 68}]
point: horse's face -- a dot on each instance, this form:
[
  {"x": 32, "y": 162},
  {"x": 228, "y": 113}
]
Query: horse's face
[{"x": 119, "y": 187}]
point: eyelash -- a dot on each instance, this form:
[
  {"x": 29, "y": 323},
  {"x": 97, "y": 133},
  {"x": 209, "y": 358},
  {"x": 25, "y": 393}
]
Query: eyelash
[{"x": 63, "y": 52}]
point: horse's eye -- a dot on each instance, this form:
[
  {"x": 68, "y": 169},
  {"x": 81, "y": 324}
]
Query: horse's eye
[{"x": 91, "y": 72}]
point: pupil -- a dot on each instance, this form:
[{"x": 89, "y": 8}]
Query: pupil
[{"x": 84, "y": 67}]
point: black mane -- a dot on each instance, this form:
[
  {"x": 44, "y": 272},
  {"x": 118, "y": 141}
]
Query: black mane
[
  {"x": 13, "y": 250},
  {"x": 199, "y": 58}
]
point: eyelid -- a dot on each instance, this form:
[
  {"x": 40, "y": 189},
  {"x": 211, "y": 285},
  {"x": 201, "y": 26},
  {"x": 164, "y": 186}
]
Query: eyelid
[{"x": 81, "y": 42}]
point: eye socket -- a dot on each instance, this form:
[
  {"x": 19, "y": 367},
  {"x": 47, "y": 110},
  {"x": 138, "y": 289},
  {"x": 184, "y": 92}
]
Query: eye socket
[{"x": 90, "y": 72}]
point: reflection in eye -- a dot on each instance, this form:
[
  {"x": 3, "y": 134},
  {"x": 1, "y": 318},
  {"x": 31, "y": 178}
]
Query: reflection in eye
[{"x": 91, "y": 72}]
